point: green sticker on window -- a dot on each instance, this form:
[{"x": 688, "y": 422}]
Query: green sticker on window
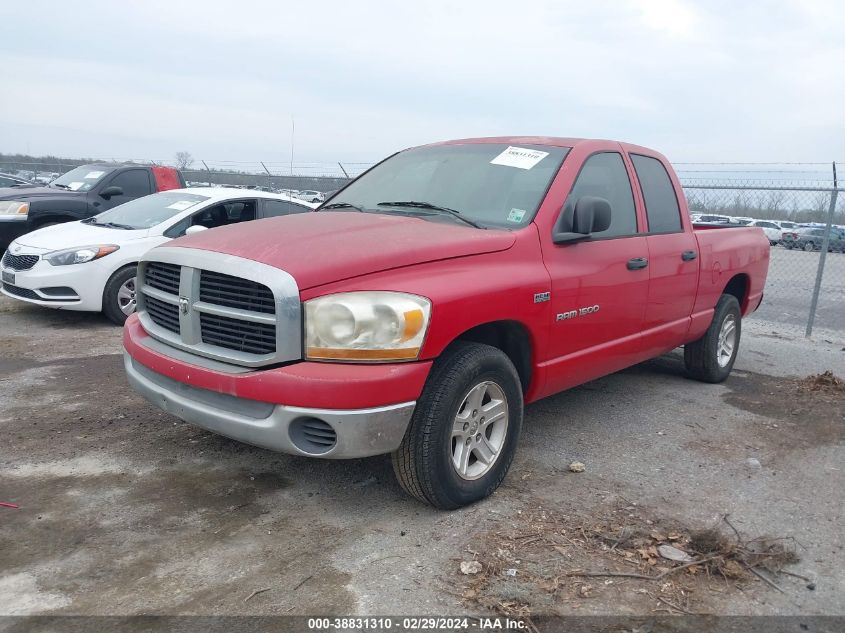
[{"x": 516, "y": 215}]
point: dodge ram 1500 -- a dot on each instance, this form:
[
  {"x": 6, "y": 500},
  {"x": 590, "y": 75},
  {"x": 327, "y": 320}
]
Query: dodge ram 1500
[{"x": 420, "y": 308}]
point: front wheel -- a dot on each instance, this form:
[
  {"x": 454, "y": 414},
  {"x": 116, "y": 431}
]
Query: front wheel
[
  {"x": 711, "y": 358},
  {"x": 809, "y": 246},
  {"x": 119, "y": 295},
  {"x": 465, "y": 428}
]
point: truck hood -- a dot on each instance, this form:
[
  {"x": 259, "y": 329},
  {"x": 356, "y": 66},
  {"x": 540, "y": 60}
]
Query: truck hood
[
  {"x": 324, "y": 247},
  {"x": 73, "y": 234},
  {"x": 28, "y": 193}
]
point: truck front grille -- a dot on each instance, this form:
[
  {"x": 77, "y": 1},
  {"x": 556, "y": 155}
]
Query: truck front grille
[
  {"x": 232, "y": 292},
  {"x": 164, "y": 277},
  {"x": 237, "y": 319},
  {"x": 19, "y": 262},
  {"x": 163, "y": 314},
  {"x": 241, "y": 336}
]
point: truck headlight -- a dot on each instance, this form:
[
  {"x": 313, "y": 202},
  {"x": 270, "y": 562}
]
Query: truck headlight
[
  {"x": 14, "y": 207},
  {"x": 366, "y": 326},
  {"x": 79, "y": 255}
]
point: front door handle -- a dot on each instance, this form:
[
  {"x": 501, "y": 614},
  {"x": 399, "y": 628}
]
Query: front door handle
[
  {"x": 688, "y": 256},
  {"x": 637, "y": 263}
]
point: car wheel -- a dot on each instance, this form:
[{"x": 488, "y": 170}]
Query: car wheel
[
  {"x": 809, "y": 246},
  {"x": 464, "y": 430},
  {"x": 711, "y": 358},
  {"x": 119, "y": 295}
]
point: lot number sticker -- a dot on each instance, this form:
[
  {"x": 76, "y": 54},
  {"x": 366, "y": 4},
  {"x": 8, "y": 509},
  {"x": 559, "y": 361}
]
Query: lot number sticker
[
  {"x": 94, "y": 175},
  {"x": 519, "y": 157}
]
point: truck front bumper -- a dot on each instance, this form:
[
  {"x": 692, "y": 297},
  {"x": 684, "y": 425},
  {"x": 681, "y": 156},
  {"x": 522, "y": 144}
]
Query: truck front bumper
[{"x": 279, "y": 421}]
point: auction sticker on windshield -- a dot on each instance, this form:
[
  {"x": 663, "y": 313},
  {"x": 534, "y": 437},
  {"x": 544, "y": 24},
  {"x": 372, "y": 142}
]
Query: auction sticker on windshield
[
  {"x": 73, "y": 186},
  {"x": 93, "y": 175},
  {"x": 519, "y": 157}
]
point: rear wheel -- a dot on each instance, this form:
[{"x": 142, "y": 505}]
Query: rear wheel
[
  {"x": 463, "y": 434},
  {"x": 119, "y": 295},
  {"x": 711, "y": 358}
]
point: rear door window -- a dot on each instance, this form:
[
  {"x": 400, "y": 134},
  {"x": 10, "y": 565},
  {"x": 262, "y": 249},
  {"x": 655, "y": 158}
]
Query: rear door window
[{"x": 661, "y": 203}]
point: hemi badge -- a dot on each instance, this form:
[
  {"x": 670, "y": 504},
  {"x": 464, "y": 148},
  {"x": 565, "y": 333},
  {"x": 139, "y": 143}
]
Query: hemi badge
[{"x": 540, "y": 297}]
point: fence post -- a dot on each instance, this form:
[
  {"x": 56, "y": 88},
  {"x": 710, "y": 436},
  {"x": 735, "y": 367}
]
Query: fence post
[{"x": 822, "y": 256}]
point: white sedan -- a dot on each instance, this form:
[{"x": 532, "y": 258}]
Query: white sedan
[{"x": 90, "y": 265}]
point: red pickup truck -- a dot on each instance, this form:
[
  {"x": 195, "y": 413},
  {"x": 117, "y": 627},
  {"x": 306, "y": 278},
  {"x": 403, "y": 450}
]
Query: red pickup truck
[{"x": 426, "y": 302}]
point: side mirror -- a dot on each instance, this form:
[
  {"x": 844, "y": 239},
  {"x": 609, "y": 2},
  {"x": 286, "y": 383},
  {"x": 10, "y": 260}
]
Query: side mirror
[
  {"x": 196, "y": 228},
  {"x": 108, "y": 192},
  {"x": 590, "y": 215}
]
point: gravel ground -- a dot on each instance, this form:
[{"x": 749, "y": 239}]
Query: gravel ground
[{"x": 126, "y": 510}]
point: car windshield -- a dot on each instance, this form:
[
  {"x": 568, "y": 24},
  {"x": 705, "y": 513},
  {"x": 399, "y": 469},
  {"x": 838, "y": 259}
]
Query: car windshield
[
  {"x": 485, "y": 184},
  {"x": 146, "y": 212},
  {"x": 81, "y": 179}
]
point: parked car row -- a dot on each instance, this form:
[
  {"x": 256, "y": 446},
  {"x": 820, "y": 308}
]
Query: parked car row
[
  {"x": 309, "y": 195},
  {"x": 812, "y": 239},
  {"x": 90, "y": 264},
  {"x": 789, "y": 234},
  {"x": 414, "y": 313}
]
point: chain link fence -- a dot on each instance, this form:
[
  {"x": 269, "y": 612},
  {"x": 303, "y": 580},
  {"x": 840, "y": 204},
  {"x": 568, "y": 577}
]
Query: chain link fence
[{"x": 805, "y": 290}]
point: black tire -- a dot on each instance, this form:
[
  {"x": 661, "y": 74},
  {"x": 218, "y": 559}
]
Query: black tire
[
  {"x": 423, "y": 462},
  {"x": 809, "y": 246},
  {"x": 111, "y": 307},
  {"x": 701, "y": 357}
]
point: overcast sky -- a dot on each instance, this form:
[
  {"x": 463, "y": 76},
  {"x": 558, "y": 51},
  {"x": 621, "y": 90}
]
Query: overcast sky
[{"x": 700, "y": 81}]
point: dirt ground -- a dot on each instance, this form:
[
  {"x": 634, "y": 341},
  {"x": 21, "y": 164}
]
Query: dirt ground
[{"x": 127, "y": 510}]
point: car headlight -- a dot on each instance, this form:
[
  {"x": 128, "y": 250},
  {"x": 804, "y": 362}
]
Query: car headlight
[
  {"x": 14, "y": 207},
  {"x": 79, "y": 255},
  {"x": 366, "y": 326}
]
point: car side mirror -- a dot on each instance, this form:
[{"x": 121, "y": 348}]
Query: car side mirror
[
  {"x": 590, "y": 215},
  {"x": 196, "y": 228},
  {"x": 108, "y": 192}
]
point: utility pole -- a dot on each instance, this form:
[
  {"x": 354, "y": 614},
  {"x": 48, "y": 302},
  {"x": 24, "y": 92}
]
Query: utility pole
[
  {"x": 342, "y": 169},
  {"x": 292, "y": 131},
  {"x": 269, "y": 180}
]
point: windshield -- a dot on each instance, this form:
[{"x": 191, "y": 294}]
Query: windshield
[
  {"x": 146, "y": 212},
  {"x": 491, "y": 185},
  {"x": 81, "y": 178}
]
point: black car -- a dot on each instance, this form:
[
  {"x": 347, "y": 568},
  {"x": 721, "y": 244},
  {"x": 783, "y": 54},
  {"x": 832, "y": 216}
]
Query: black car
[
  {"x": 811, "y": 239},
  {"x": 79, "y": 194}
]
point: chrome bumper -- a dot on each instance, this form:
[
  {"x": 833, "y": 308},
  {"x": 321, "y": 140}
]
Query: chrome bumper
[{"x": 278, "y": 427}]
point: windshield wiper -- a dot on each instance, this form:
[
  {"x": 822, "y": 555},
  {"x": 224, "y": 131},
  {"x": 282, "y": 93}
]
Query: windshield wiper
[
  {"x": 343, "y": 205},
  {"x": 115, "y": 225},
  {"x": 430, "y": 207},
  {"x": 58, "y": 184}
]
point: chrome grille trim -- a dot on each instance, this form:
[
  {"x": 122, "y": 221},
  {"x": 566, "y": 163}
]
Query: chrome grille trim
[{"x": 254, "y": 347}]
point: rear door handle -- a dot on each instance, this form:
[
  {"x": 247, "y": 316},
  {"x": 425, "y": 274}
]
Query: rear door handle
[
  {"x": 637, "y": 262},
  {"x": 688, "y": 256}
]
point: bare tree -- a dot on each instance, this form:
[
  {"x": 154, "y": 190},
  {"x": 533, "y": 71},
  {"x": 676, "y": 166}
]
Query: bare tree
[{"x": 184, "y": 160}]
